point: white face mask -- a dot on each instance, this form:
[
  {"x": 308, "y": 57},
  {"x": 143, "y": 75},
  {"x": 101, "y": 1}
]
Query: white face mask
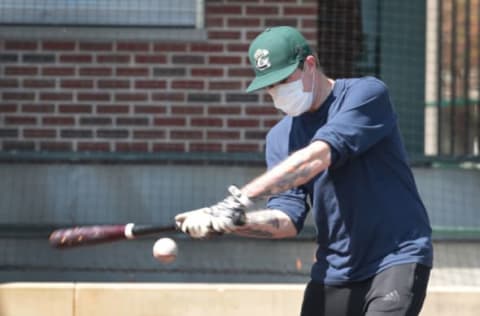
[{"x": 290, "y": 97}]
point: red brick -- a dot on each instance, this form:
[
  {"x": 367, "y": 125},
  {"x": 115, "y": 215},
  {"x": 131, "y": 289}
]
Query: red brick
[
  {"x": 132, "y": 72},
  {"x": 186, "y": 134},
  {"x": 112, "y": 109},
  {"x": 206, "y": 47},
  {"x": 95, "y": 120},
  {"x": 238, "y": 48},
  {"x": 75, "y": 133},
  {"x": 149, "y": 134},
  {"x": 224, "y": 35},
  {"x": 8, "y": 108},
  {"x": 18, "y": 96},
  {"x": 9, "y": 83},
  {"x": 151, "y": 59},
  {"x": 223, "y": 9},
  {"x": 225, "y": 110},
  {"x": 205, "y": 147},
  {"x": 169, "y": 72},
  {"x": 75, "y": 108},
  {"x": 95, "y": 46},
  {"x": 168, "y": 96},
  {"x": 261, "y": 110},
  {"x": 255, "y": 135},
  {"x": 309, "y": 23},
  {"x": 58, "y": 46},
  {"x": 112, "y": 133},
  {"x": 58, "y": 71},
  {"x": 170, "y": 47},
  {"x": 262, "y": 10},
  {"x": 38, "y": 108},
  {"x": 56, "y": 96},
  {"x": 224, "y": 135},
  {"x": 169, "y": 147},
  {"x": 39, "y": 133},
  {"x": 188, "y": 59},
  {"x": 21, "y": 45},
  {"x": 131, "y": 96},
  {"x": 133, "y": 47},
  {"x": 113, "y": 84},
  {"x": 169, "y": 121},
  {"x": 187, "y": 84},
  {"x": 93, "y": 96},
  {"x": 114, "y": 59},
  {"x": 214, "y": 22},
  {"x": 206, "y": 122},
  {"x": 225, "y": 85},
  {"x": 58, "y": 120},
  {"x": 77, "y": 58},
  {"x": 187, "y": 110},
  {"x": 207, "y": 72},
  {"x": 310, "y": 36},
  {"x": 241, "y": 72},
  {"x": 242, "y": 148},
  {"x": 281, "y": 21},
  {"x": 243, "y": 123},
  {"x": 225, "y": 60},
  {"x": 251, "y": 35},
  {"x": 38, "y": 83},
  {"x": 242, "y": 22},
  {"x": 21, "y": 71},
  {"x": 300, "y": 10},
  {"x": 20, "y": 120},
  {"x": 77, "y": 84},
  {"x": 150, "y": 84},
  {"x": 95, "y": 71}
]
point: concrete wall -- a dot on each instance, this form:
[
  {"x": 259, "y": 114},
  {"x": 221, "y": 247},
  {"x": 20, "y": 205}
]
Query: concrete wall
[
  {"x": 69, "y": 194},
  {"x": 87, "y": 299}
]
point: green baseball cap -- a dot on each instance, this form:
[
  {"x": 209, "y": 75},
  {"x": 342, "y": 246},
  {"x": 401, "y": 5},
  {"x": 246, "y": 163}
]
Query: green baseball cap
[{"x": 275, "y": 54}]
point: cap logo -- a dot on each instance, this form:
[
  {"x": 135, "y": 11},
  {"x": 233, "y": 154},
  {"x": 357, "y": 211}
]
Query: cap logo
[{"x": 262, "y": 60}]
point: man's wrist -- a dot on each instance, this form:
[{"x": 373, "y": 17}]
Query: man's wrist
[{"x": 240, "y": 196}]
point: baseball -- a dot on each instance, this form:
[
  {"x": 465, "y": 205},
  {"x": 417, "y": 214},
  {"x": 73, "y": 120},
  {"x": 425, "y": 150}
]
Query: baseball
[{"x": 165, "y": 250}]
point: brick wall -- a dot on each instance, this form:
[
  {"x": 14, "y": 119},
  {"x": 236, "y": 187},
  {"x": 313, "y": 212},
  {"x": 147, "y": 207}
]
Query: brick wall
[{"x": 149, "y": 96}]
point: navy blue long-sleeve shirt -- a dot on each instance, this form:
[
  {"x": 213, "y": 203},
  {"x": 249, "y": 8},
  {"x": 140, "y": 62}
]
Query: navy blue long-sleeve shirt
[{"x": 366, "y": 207}]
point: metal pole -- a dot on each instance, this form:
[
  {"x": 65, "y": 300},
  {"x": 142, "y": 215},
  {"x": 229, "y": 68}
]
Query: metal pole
[
  {"x": 439, "y": 76},
  {"x": 453, "y": 74},
  {"x": 466, "y": 79}
]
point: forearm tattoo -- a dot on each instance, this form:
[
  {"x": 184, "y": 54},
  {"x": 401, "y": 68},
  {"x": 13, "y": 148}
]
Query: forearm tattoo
[
  {"x": 294, "y": 172},
  {"x": 266, "y": 224}
]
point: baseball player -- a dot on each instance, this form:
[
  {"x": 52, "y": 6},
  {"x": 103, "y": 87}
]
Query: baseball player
[{"x": 338, "y": 151}]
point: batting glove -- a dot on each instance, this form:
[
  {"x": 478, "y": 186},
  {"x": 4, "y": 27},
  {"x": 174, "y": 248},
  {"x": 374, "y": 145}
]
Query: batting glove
[{"x": 223, "y": 217}]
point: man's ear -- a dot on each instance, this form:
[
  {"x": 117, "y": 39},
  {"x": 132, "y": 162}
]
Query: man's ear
[{"x": 311, "y": 61}]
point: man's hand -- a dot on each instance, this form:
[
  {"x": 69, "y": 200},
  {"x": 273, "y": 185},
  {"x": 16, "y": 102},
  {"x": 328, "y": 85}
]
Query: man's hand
[{"x": 223, "y": 217}]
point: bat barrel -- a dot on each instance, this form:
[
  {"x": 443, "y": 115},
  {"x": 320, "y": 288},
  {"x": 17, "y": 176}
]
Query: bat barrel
[
  {"x": 87, "y": 235},
  {"x": 90, "y": 235}
]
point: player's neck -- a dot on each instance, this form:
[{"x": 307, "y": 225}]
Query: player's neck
[{"x": 324, "y": 86}]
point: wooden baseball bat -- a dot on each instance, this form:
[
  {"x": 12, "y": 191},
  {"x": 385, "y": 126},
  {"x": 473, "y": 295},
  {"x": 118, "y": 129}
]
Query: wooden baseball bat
[{"x": 91, "y": 235}]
